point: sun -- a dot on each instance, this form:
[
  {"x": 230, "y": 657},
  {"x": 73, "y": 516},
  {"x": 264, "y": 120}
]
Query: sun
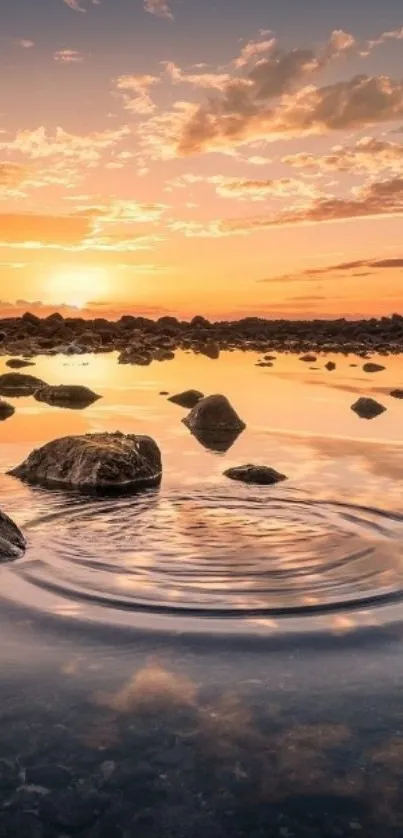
[{"x": 78, "y": 286}]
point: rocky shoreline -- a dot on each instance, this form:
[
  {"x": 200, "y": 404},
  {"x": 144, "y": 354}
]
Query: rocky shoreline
[{"x": 140, "y": 340}]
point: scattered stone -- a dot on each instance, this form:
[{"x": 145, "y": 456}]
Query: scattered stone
[
  {"x": 214, "y": 423},
  {"x": 66, "y": 395},
  {"x": 269, "y": 357},
  {"x": 189, "y": 398},
  {"x": 19, "y": 384},
  {"x": 330, "y": 366},
  {"x": 308, "y": 359},
  {"x": 263, "y": 475},
  {"x": 12, "y": 546},
  {"x": 164, "y": 393},
  {"x": 18, "y": 363},
  {"x": 6, "y": 410},
  {"x": 397, "y": 394},
  {"x": 130, "y": 356},
  {"x": 264, "y": 364},
  {"x": 367, "y": 408},
  {"x": 370, "y": 367},
  {"x": 211, "y": 350},
  {"x": 163, "y": 355},
  {"x": 94, "y": 462}
]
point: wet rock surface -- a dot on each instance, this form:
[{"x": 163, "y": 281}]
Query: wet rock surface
[
  {"x": 94, "y": 462},
  {"x": 65, "y": 395},
  {"x": 367, "y": 408},
  {"x": 214, "y": 423},
  {"x": 18, "y": 363},
  {"x": 19, "y": 384},
  {"x": 397, "y": 394},
  {"x": 12, "y": 546},
  {"x": 6, "y": 410},
  {"x": 189, "y": 398},
  {"x": 263, "y": 475},
  {"x": 371, "y": 367}
]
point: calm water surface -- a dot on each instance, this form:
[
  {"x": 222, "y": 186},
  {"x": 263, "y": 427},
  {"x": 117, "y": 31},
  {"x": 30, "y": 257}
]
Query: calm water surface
[{"x": 209, "y": 658}]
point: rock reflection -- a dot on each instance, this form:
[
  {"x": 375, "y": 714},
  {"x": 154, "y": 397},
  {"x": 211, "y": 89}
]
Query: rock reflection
[{"x": 216, "y": 441}]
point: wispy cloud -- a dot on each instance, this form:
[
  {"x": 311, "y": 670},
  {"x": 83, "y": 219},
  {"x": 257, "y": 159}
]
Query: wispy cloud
[
  {"x": 68, "y": 56},
  {"x": 135, "y": 92},
  {"x": 77, "y": 5},
  {"x": 25, "y": 43},
  {"x": 159, "y": 8}
]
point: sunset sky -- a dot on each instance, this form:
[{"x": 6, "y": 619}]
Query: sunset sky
[{"x": 223, "y": 157}]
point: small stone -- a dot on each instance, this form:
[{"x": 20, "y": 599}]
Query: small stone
[
  {"x": 164, "y": 393},
  {"x": 12, "y": 546},
  {"x": 308, "y": 359},
  {"x": 214, "y": 413},
  {"x": 19, "y": 384},
  {"x": 264, "y": 364},
  {"x": 367, "y": 408},
  {"x": 18, "y": 363},
  {"x": 189, "y": 398},
  {"x": 211, "y": 350},
  {"x": 66, "y": 395},
  {"x": 330, "y": 366},
  {"x": 6, "y": 410},
  {"x": 397, "y": 394},
  {"x": 263, "y": 475},
  {"x": 370, "y": 367}
]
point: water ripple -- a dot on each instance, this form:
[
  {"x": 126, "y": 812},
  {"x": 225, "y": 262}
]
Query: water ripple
[{"x": 207, "y": 553}]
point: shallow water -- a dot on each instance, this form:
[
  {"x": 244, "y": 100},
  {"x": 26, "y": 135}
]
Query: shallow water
[{"x": 242, "y": 642}]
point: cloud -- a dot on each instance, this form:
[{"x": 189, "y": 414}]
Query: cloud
[
  {"x": 134, "y": 91},
  {"x": 39, "y": 143},
  {"x": 366, "y": 155},
  {"x": 68, "y": 56},
  {"x": 25, "y": 43},
  {"x": 77, "y": 6},
  {"x": 202, "y": 80},
  {"x": 11, "y": 174},
  {"x": 248, "y": 189},
  {"x": 253, "y": 50},
  {"x": 392, "y": 35},
  {"x": 341, "y": 269},
  {"x": 159, "y": 8},
  {"x": 19, "y": 228}
]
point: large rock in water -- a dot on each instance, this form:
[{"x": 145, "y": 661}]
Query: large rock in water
[
  {"x": 94, "y": 462},
  {"x": 66, "y": 395},
  {"x": 6, "y": 410},
  {"x": 214, "y": 422},
  {"x": 367, "y": 408},
  {"x": 19, "y": 384},
  {"x": 12, "y": 541},
  {"x": 18, "y": 363}
]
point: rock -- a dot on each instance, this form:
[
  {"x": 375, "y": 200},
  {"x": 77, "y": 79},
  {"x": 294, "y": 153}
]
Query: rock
[
  {"x": 189, "y": 398},
  {"x": 66, "y": 395},
  {"x": 18, "y": 363},
  {"x": 131, "y": 356},
  {"x": 94, "y": 462},
  {"x": 163, "y": 355},
  {"x": 12, "y": 541},
  {"x": 367, "y": 408},
  {"x": 164, "y": 393},
  {"x": 6, "y": 410},
  {"x": 19, "y": 384},
  {"x": 370, "y": 367},
  {"x": 214, "y": 422},
  {"x": 264, "y": 475},
  {"x": 211, "y": 350},
  {"x": 73, "y": 810},
  {"x": 264, "y": 364},
  {"x": 49, "y": 775},
  {"x": 269, "y": 357},
  {"x": 308, "y": 359},
  {"x": 397, "y": 394},
  {"x": 330, "y": 366}
]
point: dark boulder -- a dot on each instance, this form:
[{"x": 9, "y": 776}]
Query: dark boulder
[
  {"x": 6, "y": 410},
  {"x": 12, "y": 541},
  {"x": 19, "y": 384},
  {"x": 135, "y": 357},
  {"x": 367, "y": 408},
  {"x": 189, "y": 398},
  {"x": 94, "y": 462},
  {"x": 308, "y": 359},
  {"x": 397, "y": 394},
  {"x": 214, "y": 422},
  {"x": 211, "y": 350},
  {"x": 330, "y": 366},
  {"x": 66, "y": 395},
  {"x": 18, "y": 363},
  {"x": 163, "y": 355},
  {"x": 263, "y": 475},
  {"x": 370, "y": 367}
]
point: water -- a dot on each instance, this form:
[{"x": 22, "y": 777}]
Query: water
[{"x": 208, "y": 658}]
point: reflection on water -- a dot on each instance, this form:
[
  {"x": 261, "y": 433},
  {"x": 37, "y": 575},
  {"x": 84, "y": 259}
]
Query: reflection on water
[{"x": 111, "y": 729}]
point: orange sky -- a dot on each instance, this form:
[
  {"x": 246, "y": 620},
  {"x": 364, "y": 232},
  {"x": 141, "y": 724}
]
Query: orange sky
[{"x": 176, "y": 157}]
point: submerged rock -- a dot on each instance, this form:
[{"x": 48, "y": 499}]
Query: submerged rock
[
  {"x": 66, "y": 395},
  {"x": 397, "y": 394},
  {"x": 330, "y": 366},
  {"x": 370, "y": 367},
  {"x": 19, "y": 384},
  {"x": 12, "y": 541},
  {"x": 94, "y": 462},
  {"x": 18, "y": 363},
  {"x": 308, "y": 359},
  {"x": 367, "y": 408},
  {"x": 264, "y": 364},
  {"x": 211, "y": 350},
  {"x": 6, "y": 410},
  {"x": 263, "y": 475},
  {"x": 189, "y": 398},
  {"x": 214, "y": 423}
]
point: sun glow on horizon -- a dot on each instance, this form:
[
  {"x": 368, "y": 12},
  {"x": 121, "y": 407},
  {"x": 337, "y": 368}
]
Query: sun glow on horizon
[{"x": 78, "y": 287}]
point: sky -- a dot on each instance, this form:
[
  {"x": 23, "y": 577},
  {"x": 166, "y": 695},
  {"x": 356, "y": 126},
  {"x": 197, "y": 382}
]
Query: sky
[{"x": 228, "y": 158}]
